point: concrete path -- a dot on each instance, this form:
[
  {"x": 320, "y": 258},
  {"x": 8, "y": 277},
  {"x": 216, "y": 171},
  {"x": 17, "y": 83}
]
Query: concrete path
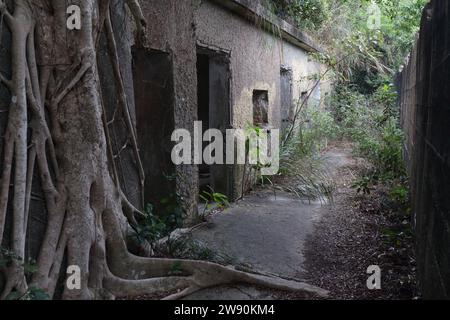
[{"x": 266, "y": 232}]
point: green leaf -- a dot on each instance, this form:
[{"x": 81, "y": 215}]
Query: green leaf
[
  {"x": 30, "y": 267},
  {"x": 38, "y": 294},
  {"x": 14, "y": 295}
]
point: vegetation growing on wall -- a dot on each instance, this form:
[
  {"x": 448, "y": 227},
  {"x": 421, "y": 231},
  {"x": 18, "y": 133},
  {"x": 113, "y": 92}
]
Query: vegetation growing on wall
[{"x": 303, "y": 13}]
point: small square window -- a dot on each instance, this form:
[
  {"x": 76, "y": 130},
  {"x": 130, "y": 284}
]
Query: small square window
[{"x": 260, "y": 107}]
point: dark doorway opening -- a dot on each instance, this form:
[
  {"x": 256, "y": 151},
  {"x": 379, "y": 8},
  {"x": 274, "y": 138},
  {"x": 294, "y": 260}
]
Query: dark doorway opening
[
  {"x": 153, "y": 87},
  {"x": 214, "y": 110},
  {"x": 287, "y": 112}
]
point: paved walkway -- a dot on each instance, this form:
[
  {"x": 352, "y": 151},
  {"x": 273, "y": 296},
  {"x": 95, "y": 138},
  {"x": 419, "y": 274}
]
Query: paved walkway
[{"x": 265, "y": 231}]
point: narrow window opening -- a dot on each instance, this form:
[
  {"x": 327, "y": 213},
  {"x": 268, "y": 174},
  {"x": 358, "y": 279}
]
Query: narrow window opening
[{"x": 260, "y": 107}]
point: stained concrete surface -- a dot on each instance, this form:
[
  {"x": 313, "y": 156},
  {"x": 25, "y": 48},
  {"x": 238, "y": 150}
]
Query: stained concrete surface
[{"x": 266, "y": 231}]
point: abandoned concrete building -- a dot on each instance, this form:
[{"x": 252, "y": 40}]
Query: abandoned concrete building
[{"x": 227, "y": 63}]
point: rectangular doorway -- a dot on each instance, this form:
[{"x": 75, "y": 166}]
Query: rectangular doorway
[
  {"x": 153, "y": 88},
  {"x": 214, "y": 110},
  {"x": 286, "y": 98}
]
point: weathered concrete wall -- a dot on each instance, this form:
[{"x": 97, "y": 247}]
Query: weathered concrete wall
[
  {"x": 406, "y": 83},
  {"x": 303, "y": 68},
  {"x": 171, "y": 29},
  {"x": 256, "y": 57},
  {"x": 424, "y": 87}
]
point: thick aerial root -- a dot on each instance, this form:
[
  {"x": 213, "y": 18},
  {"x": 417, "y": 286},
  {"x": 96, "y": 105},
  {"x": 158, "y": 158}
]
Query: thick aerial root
[
  {"x": 123, "y": 102},
  {"x": 141, "y": 23},
  {"x": 6, "y": 82},
  {"x": 207, "y": 275},
  {"x": 182, "y": 294},
  {"x": 145, "y": 276},
  {"x": 199, "y": 275},
  {"x": 6, "y": 177},
  {"x": 15, "y": 280},
  {"x": 121, "y": 288}
]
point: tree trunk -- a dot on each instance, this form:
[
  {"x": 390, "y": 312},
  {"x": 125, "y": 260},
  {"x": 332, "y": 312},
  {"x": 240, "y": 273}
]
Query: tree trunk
[{"x": 57, "y": 126}]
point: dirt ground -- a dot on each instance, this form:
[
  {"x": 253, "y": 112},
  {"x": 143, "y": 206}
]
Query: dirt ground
[{"x": 358, "y": 231}]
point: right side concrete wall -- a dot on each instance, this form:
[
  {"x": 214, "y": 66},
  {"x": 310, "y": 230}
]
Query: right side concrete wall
[{"x": 424, "y": 87}]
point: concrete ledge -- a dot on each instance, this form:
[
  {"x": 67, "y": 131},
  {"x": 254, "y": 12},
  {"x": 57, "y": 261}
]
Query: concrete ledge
[{"x": 252, "y": 10}]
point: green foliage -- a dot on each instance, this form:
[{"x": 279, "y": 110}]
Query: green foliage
[
  {"x": 363, "y": 57},
  {"x": 33, "y": 293},
  {"x": 255, "y": 153},
  {"x": 173, "y": 213},
  {"x": 365, "y": 184},
  {"x": 176, "y": 269},
  {"x": 7, "y": 257},
  {"x": 371, "y": 122},
  {"x": 303, "y": 143},
  {"x": 397, "y": 236},
  {"x": 307, "y": 175},
  {"x": 191, "y": 249},
  {"x": 399, "y": 194},
  {"x": 171, "y": 207},
  {"x": 305, "y": 14},
  {"x": 153, "y": 227},
  {"x": 386, "y": 96},
  {"x": 320, "y": 128},
  {"x": 390, "y": 152},
  {"x": 217, "y": 198},
  {"x": 364, "y": 102},
  {"x": 29, "y": 267},
  {"x": 364, "y": 62},
  {"x": 359, "y": 52},
  {"x": 14, "y": 295},
  {"x": 400, "y": 24},
  {"x": 212, "y": 200}
]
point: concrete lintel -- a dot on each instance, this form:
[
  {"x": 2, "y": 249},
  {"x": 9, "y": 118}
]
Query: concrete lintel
[{"x": 254, "y": 11}]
